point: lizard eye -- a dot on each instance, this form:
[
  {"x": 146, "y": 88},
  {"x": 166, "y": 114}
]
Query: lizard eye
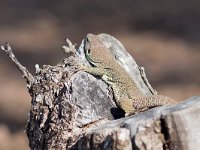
[{"x": 88, "y": 51}]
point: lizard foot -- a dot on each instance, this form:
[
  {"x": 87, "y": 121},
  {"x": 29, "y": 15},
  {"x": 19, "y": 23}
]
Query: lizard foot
[{"x": 80, "y": 67}]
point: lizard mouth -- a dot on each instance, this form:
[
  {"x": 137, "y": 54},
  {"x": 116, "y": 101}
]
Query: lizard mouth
[{"x": 91, "y": 60}]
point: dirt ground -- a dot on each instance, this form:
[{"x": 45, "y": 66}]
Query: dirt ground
[{"x": 162, "y": 37}]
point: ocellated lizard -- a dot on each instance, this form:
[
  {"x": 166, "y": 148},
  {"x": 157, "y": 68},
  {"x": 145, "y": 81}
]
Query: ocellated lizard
[{"x": 126, "y": 93}]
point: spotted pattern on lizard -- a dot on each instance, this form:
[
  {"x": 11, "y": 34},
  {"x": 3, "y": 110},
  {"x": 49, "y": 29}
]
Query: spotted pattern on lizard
[{"x": 126, "y": 93}]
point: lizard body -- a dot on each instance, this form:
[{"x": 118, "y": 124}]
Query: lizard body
[{"x": 126, "y": 93}]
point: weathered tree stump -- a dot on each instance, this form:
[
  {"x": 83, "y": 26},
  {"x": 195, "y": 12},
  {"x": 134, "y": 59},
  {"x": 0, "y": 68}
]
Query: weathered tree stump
[
  {"x": 71, "y": 109},
  {"x": 173, "y": 128}
]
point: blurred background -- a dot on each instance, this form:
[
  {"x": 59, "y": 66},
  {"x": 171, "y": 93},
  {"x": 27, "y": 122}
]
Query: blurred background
[{"x": 163, "y": 36}]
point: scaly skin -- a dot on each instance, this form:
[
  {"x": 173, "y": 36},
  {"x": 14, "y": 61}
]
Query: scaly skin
[{"x": 126, "y": 93}]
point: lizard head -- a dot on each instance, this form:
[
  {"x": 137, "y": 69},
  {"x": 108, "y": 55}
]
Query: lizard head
[{"x": 94, "y": 50}]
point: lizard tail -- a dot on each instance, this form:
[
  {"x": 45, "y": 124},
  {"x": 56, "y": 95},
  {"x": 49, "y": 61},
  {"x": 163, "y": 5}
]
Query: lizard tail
[{"x": 152, "y": 101}]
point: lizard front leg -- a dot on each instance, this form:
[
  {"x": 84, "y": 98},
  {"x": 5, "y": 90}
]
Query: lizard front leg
[{"x": 92, "y": 70}]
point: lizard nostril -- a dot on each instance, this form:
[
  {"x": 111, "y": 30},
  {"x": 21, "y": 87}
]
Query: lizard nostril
[{"x": 89, "y": 51}]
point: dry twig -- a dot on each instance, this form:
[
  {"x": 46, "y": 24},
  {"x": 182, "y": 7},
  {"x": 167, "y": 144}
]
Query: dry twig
[{"x": 26, "y": 74}]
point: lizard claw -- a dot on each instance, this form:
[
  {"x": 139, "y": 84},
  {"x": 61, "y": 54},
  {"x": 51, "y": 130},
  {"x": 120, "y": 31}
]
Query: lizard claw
[
  {"x": 127, "y": 114},
  {"x": 80, "y": 67}
]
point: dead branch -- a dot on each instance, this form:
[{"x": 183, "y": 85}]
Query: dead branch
[{"x": 26, "y": 74}]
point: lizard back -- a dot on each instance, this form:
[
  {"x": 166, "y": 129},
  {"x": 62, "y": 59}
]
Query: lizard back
[{"x": 115, "y": 75}]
